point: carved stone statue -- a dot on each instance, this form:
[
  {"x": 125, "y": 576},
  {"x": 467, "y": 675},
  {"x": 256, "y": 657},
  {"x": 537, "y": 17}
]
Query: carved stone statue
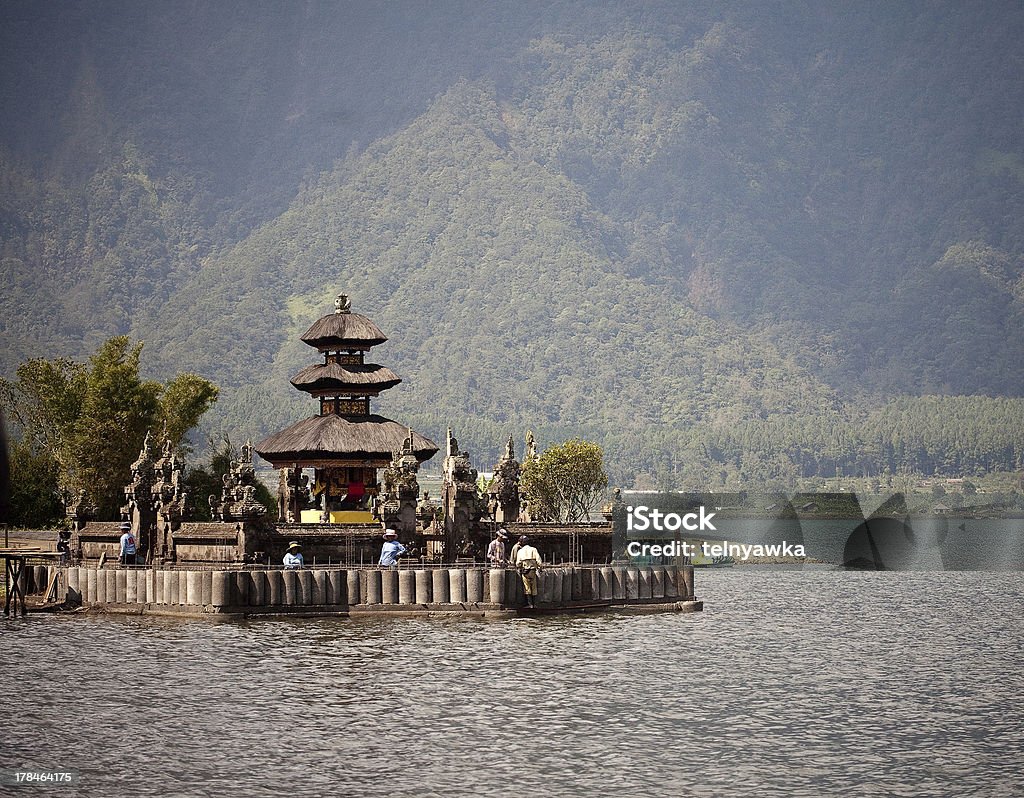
[
  {"x": 506, "y": 485},
  {"x": 239, "y": 493},
  {"x": 342, "y": 304},
  {"x": 399, "y": 488},
  {"x": 462, "y": 505},
  {"x": 531, "y": 448}
]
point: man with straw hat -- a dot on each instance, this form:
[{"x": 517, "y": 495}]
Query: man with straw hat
[
  {"x": 293, "y": 557},
  {"x": 391, "y": 550}
]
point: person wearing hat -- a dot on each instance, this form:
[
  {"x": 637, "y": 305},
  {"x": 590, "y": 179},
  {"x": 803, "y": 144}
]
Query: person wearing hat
[
  {"x": 128, "y": 545},
  {"x": 391, "y": 550},
  {"x": 528, "y": 562},
  {"x": 496, "y": 549},
  {"x": 293, "y": 557}
]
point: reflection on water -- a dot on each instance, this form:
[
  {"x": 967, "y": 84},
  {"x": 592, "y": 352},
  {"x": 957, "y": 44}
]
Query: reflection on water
[{"x": 802, "y": 682}]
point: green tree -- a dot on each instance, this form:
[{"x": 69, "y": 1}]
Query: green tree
[
  {"x": 567, "y": 482},
  {"x": 35, "y": 500},
  {"x": 182, "y": 404},
  {"x": 91, "y": 419},
  {"x": 118, "y": 409}
]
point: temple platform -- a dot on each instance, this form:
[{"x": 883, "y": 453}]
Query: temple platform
[{"x": 354, "y": 592}]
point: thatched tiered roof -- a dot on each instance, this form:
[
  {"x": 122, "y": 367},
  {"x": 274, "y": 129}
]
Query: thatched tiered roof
[
  {"x": 345, "y": 433},
  {"x": 336, "y": 378},
  {"x": 331, "y": 438},
  {"x": 343, "y": 330}
]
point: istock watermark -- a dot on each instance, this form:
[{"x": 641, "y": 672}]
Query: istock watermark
[
  {"x": 641, "y": 518},
  {"x": 737, "y": 551}
]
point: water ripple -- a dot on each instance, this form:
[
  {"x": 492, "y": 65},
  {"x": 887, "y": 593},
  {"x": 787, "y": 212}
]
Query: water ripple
[{"x": 803, "y": 683}]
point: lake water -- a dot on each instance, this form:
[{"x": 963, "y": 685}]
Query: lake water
[{"x": 810, "y": 682}]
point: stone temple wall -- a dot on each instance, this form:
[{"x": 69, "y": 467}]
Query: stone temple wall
[{"x": 356, "y": 591}]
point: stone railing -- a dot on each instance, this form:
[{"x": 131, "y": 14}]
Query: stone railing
[{"x": 355, "y": 591}]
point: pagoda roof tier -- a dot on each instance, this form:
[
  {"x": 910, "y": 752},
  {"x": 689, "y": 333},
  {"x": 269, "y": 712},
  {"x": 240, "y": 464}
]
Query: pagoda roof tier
[
  {"x": 351, "y": 377},
  {"x": 343, "y": 331},
  {"x": 334, "y": 439}
]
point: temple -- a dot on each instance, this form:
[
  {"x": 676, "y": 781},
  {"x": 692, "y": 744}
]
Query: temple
[
  {"x": 345, "y": 474},
  {"x": 344, "y": 444}
]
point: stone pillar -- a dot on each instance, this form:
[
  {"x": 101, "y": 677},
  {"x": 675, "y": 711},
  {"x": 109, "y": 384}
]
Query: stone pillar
[
  {"x": 305, "y": 589},
  {"x": 497, "y": 579},
  {"x": 242, "y": 585},
  {"x": 194, "y": 586},
  {"x": 632, "y": 584},
  {"x": 337, "y": 590},
  {"x": 644, "y": 587},
  {"x": 220, "y": 588},
  {"x": 546, "y": 587},
  {"x": 606, "y": 589},
  {"x": 89, "y": 594},
  {"x": 290, "y": 584},
  {"x": 475, "y": 585},
  {"x": 388, "y": 587},
  {"x": 688, "y": 581},
  {"x": 150, "y": 583},
  {"x": 566, "y": 584},
  {"x": 206, "y": 588},
  {"x": 457, "y": 577},
  {"x": 576, "y": 574},
  {"x": 424, "y": 587},
  {"x": 183, "y": 587},
  {"x": 320, "y": 588},
  {"x": 258, "y": 590},
  {"x": 170, "y": 587},
  {"x": 442, "y": 586},
  {"x": 112, "y": 583},
  {"x": 372, "y": 591},
  {"x": 73, "y": 584},
  {"x": 671, "y": 591},
  {"x": 658, "y": 582},
  {"x": 353, "y": 588},
  {"x": 131, "y": 587},
  {"x": 515, "y": 593},
  {"x": 406, "y": 587},
  {"x": 275, "y": 588},
  {"x": 619, "y": 583}
]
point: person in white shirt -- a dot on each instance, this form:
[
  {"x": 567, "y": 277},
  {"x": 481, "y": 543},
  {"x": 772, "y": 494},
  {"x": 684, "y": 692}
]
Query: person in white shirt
[
  {"x": 496, "y": 549},
  {"x": 391, "y": 550},
  {"x": 528, "y": 562},
  {"x": 293, "y": 557}
]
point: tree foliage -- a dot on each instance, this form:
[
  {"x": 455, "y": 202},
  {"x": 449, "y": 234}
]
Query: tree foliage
[
  {"x": 34, "y": 499},
  {"x": 83, "y": 424},
  {"x": 567, "y": 482}
]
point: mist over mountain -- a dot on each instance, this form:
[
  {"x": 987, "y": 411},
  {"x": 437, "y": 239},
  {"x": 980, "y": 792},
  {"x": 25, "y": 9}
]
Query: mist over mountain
[{"x": 764, "y": 241}]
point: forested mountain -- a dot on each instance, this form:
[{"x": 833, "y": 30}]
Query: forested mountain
[{"x": 725, "y": 240}]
